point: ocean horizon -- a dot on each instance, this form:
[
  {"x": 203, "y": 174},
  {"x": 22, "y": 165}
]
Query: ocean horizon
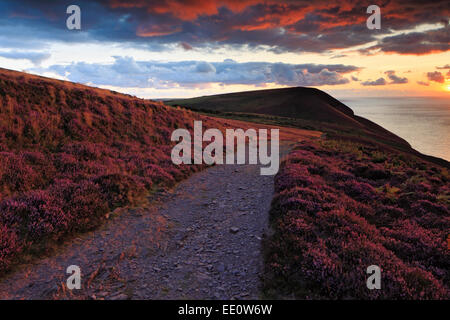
[{"x": 422, "y": 121}]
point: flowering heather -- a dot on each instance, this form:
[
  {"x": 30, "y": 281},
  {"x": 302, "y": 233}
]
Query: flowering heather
[
  {"x": 342, "y": 206},
  {"x": 69, "y": 154}
]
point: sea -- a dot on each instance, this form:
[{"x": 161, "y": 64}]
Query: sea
[{"x": 422, "y": 121}]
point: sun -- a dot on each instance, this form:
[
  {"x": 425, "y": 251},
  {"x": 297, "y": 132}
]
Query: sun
[{"x": 447, "y": 86}]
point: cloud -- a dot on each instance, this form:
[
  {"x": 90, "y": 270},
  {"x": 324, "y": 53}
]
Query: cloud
[
  {"x": 423, "y": 83},
  {"x": 337, "y": 56},
  {"x": 378, "y": 82},
  {"x": 126, "y": 72},
  {"x": 35, "y": 57},
  {"x": 354, "y": 78},
  {"x": 395, "y": 79},
  {"x": 381, "y": 81},
  {"x": 186, "y": 46},
  {"x": 280, "y": 26},
  {"x": 417, "y": 43},
  {"x": 436, "y": 76},
  {"x": 447, "y": 66},
  {"x": 205, "y": 67}
]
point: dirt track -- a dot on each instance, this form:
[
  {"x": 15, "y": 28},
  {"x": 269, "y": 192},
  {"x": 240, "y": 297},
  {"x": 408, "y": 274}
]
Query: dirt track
[{"x": 202, "y": 240}]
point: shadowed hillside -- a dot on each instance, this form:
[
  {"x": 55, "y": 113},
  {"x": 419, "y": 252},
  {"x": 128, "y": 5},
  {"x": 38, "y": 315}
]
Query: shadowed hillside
[{"x": 304, "y": 103}]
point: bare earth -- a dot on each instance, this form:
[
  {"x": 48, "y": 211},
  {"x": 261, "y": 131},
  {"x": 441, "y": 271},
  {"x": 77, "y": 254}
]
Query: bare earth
[{"x": 202, "y": 240}]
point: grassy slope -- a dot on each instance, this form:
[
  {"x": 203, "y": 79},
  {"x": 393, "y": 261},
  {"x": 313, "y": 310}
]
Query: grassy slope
[{"x": 300, "y": 107}]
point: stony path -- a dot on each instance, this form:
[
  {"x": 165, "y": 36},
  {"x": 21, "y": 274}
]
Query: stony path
[{"x": 202, "y": 240}]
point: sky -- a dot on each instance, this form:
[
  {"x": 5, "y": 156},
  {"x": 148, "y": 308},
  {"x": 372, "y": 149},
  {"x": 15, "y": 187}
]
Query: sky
[{"x": 175, "y": 48}]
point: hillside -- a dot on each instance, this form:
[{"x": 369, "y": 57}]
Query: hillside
[
  {"x": 69, "y": 154},
  {"x": 300, "y": 107},
  {"x": 307, "y": 103},
  {"x": 297, "y": 102},
  {"x": 340, "y": 207}
]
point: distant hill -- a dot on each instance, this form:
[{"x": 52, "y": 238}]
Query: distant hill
[
  {"x": 310, "y": 107},
  {"x": 297, "y": 102}
]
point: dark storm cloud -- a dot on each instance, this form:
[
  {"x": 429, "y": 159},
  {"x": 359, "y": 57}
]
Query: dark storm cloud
[
  {"x": 283, "y": 26},
  {"x": 416, "y": 42}
]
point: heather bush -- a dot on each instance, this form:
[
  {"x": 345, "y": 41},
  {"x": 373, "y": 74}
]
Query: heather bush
[
  {"x": 119, "y": 189},
  {"x": 413, "y": 243},
  {"x": 86, "y": 151},
  {"x": 371, "y": 172},
  {"x": 36, "y": 215},
  {"x": 340, "y": 175},
  {"x": 337, "y": 211},
  {"x": 158, "y": 175},
  {"x": 83, "y": 203},
  {"x": 360, "y": 191},
  {"x": 10, "y": 246},
  {"x": 17, "y": 175}
]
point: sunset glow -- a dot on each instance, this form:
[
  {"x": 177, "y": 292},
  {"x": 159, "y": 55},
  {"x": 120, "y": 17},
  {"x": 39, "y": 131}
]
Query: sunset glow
[{"x": 177, "y": 49}]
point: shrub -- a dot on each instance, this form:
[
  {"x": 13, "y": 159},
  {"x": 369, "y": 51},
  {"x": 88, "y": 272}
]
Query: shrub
[
  {"x": 17, "y": 175},
  {"x": 36, "y": 216},
  {"x": 360, "y": 191},
  {"x": 10, "y": 246},
  {"x": 330, "y": 223},
  {"x": 83, "y": 203},
  {"x": 119, "y": 189}
]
